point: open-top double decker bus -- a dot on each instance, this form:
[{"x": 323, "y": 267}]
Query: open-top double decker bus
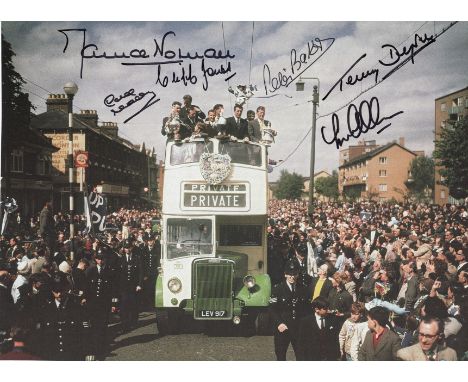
[{"x": 214, "y": 251}]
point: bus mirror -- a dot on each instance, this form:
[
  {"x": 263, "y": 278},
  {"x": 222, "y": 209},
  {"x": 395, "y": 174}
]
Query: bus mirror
[{"x": 260, "y": 264}]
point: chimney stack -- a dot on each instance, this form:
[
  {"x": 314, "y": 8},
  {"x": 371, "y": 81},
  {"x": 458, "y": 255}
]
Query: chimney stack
[
  {"x": 90, "y": 117},
  {"x": 110, "y": 128},
  {"x": 401, "y": 141},
  {"x": 57, "y": 102}
]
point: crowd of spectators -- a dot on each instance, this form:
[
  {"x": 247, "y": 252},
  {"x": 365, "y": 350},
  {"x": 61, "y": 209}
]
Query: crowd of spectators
[
  {"x": 369, "y": 268},
  {"x": 407, "y": 262},
  {"x": 56, "y": 307}
]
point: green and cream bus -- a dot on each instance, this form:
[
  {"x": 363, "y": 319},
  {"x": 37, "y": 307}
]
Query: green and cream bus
[{"x": 214, "y": 216}]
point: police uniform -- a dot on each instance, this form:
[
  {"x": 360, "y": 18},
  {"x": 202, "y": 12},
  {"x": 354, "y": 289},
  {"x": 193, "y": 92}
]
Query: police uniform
[
  {"x": 130, "y": 277},
  {"x": 62, "y": 331},
  {"x": 289, "y": 303},
  {"x": 99, "y": 294},
  {"x": 151, "y": 263}
]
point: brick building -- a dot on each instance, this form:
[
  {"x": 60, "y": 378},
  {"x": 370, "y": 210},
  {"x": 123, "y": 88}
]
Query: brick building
[
  {"x": 448, "y": 108},
  {"x": 122, "y": 171},
  {"x": 353, "y": 151},
  {"x": 26, "y": 167},
  {"x": 378, "y": 174}
]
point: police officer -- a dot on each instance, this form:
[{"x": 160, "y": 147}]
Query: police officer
[
  {"x": 99, "y": 293},
  {"x": 289, "y": 303},
  {"x": 301, "y": 256},
  {"x": 130, "y": 284},
  {"x": 62, "y": 326},
  {"x": 151, "y": 262}
]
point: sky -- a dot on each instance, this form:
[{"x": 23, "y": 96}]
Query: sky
[
  {"x": 438, "y": 69},
  {"x": 328, "y": 50}
]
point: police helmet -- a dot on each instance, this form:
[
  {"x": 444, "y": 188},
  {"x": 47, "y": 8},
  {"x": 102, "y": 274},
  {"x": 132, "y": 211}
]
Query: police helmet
[
  {"x": 292, "y": 268},
  {"x": 128, "y": 243}
]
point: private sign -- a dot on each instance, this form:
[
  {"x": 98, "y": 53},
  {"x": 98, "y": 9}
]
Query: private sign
[{"x": 215, "y": 196}]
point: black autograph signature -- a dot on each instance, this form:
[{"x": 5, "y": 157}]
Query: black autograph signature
[
  {"x": 165, "y": 56},
  {"x": 398, "y": 58},
  {"x": 128, "y": 99},
  {"x": 299, "y": 63},
  {"x": 187, "y": 76},
  {"x": 359, "y": 121}
]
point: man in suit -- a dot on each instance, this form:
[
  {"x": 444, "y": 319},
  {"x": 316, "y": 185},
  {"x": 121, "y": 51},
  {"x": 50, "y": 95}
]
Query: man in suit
[
  {"x": 6, "y": 302},
  {"x": 430, "y": 346},
  {"x": 316, "y": 335},
  {"x": 191, "y": 119},
  {"x": 47, "y": 226},
  {"x": 451, "y": 241},
  {"x": 257, "y": 125},
  {"x": 130, "y": 284},
  {"x": 321, "y": 285},
  {"x": 410, "y": 288},
  {"x": 460, "y": 258},
  {"x": 288, "y": 305},
  {"x": 237, "y": 126},
  {"x": 367, "y": 292},
  {"x": 373, "y": 235},
  {"x": 184, "y": 111},
  {"x": 380, "y": 343}
]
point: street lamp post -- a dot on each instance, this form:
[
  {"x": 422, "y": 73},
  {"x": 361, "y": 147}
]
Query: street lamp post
[
  {"x": 71, "y": 89},
  {"x": 315, "y": 101}
]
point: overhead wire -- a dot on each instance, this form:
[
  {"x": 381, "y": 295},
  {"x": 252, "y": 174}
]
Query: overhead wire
[
  {"x": 356, "y": 97},
  {"x": 225, "y": 53},
  {"x": 74, "y": 104}
]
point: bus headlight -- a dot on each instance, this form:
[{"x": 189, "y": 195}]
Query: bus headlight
[
  {"x": 249, "y": 281},
  {"x": 174, "y": 285}
]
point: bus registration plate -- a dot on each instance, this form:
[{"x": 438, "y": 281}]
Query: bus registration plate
[{"x": 212, "y": 313}]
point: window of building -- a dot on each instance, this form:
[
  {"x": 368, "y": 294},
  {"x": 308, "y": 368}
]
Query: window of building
[
  {"x": 442, "y": 194},
  {"x": 17, "y": 161},
  {"x": 382, "y": 187},
  {"x": 382, "y": 160},
  {"x": 382, "y": 173},
  {"x": 43, "y": 165},
  {"x": 443, "y": 106},
  {"x": 460, "y": 101}
]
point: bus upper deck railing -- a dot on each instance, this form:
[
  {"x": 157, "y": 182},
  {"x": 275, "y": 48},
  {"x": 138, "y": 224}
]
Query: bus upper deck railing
[{"x": 239, "y": 152}]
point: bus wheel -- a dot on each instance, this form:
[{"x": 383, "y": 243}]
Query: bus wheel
[{"x": 262, "y": 324}]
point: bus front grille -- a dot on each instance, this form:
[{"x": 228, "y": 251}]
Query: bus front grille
[{"x": 213, "y": 290}]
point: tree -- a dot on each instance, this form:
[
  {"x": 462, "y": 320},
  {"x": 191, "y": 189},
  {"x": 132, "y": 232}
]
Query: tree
[
  {"x": 290, "y": 186},
  {"x": 15, "y": 103},
  {"x": 372, "y": 194},
  {"x": 328, "y": 186},
  {"x": 16, "y": 109},
  {"x": 352, "y": 193},
  {"x": 421, "y": 182},
  {"x": 451, "y": 153}
]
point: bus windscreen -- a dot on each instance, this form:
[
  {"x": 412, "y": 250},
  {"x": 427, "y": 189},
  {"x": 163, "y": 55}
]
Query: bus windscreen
[{"x": 189, "y": 237}]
